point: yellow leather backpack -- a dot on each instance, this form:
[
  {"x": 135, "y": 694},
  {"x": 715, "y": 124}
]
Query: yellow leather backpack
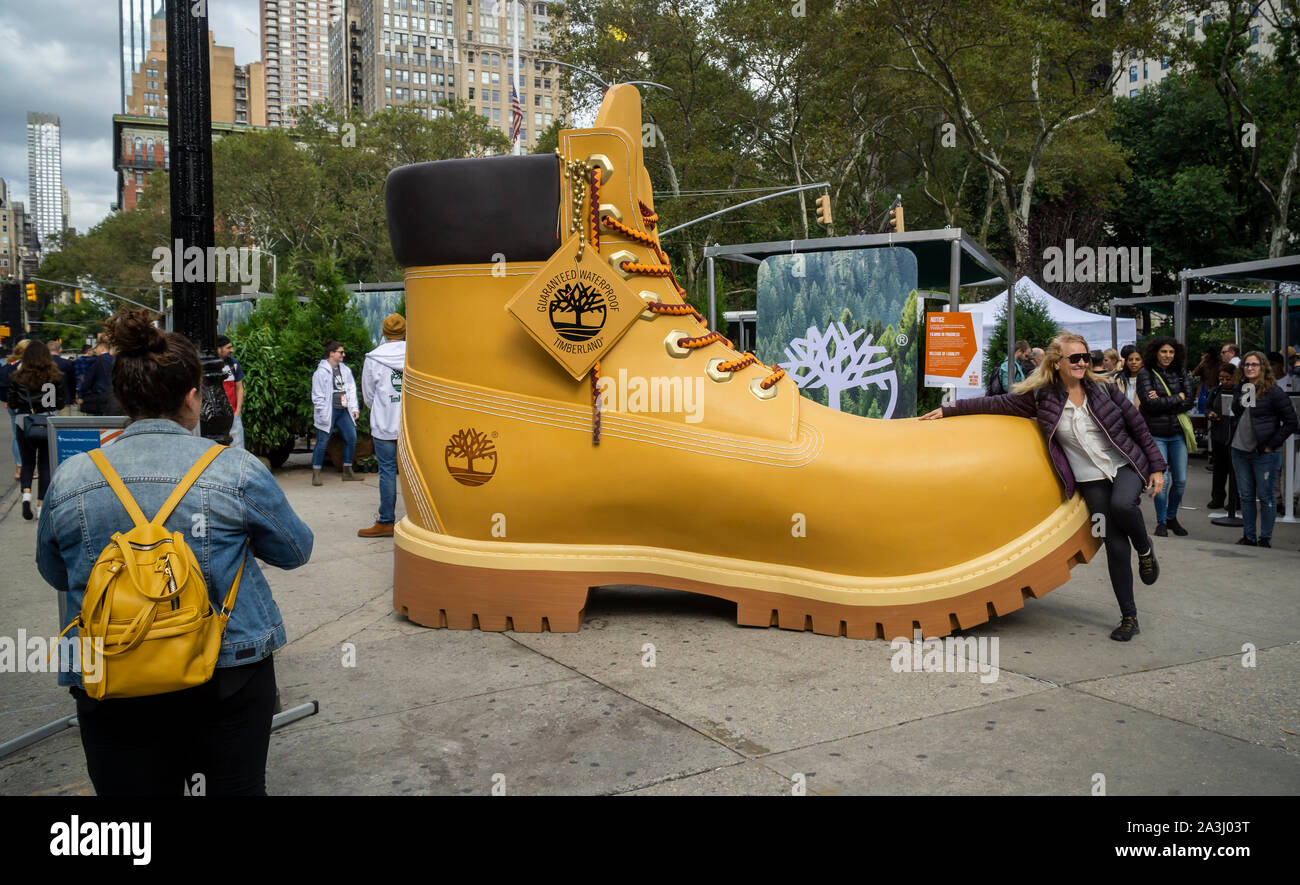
[{"x": 147, "y": 625}]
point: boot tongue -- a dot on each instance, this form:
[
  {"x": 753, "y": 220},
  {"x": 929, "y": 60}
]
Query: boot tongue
[{"x": 621, "y": 109}]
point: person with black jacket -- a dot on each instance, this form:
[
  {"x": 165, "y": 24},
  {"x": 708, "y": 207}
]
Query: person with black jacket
[
  {"x": 35, "y": 393},
  {"x": 1267, "y": 419},
  {"x": 95, "y": 396},
  {"x": 1221, "y": 431},
  {"x": 1164, "y": 393}
]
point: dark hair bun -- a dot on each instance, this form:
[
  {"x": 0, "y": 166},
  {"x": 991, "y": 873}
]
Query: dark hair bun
[{"x": 133, "y": 333}]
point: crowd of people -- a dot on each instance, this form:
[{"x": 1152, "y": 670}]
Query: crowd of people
[
  {"x": 37, "y": 381},
  {"x": 151, "y": 743},
  {"x": 1118, "y": 424},
  {"x": 1157, "y": 381}
]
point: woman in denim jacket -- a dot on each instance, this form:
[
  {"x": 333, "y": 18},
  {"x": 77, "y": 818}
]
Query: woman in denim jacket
[{"x": 154, "y": 745}]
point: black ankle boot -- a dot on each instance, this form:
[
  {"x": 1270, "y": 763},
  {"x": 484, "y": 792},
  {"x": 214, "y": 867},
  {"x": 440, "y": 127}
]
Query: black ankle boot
[
  {"x": 1161, "y": 531},
  {"x": 1148, "y": 568},
  {"x": 1175, "y": 527},
  {"x": 1127, "y": 629}
]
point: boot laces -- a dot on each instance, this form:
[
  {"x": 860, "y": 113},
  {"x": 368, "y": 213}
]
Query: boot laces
[{"x": 584, "y": 182}]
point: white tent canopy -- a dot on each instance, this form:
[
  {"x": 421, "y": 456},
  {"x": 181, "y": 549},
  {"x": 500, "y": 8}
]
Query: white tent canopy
[{"x": 1094, "y": 327}]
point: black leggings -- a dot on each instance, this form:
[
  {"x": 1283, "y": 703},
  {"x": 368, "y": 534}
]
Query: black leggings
[
  {"x": 1118, "y": 502},
  {"x": 155, "y": 745},
  {"x": 34, "y": 455}
]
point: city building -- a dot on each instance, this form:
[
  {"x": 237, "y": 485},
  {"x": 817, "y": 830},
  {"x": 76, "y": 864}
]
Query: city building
[
  {"x": 135, "y": 36},
  {"x": 17, "y": 256},
  {"x": 45, "y": 176},
  {"x": 236, "y": 90},
  {"x": 345, "y": 57},
  {"x": 1138, "y": 71},
  {"x": 295, "y": 50},
  {"x": 141, "y": 145},
  {"x": 422, "y": 52}
]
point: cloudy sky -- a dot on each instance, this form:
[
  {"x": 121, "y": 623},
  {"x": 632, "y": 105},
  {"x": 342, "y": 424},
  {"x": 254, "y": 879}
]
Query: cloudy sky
[{"x": 61, "y": 57}]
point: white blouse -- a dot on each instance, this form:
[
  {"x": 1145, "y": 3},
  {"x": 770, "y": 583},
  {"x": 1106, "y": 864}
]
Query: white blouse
[{"x": 1089, "y": 450}]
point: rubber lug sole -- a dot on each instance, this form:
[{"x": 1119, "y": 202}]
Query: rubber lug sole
[{"x": 459, "y": 597}]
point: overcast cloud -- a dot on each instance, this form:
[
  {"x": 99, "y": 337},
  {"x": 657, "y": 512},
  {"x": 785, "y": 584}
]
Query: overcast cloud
[{"x": 62, "y": 57}]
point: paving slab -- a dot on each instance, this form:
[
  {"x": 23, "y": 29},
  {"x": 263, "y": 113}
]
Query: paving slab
[
  {"x": 406, "y": 673},
  {"x": 744, "y": 779},
  {"x": 577, "y": 738},
  {"x": 1050, "y": 743},
  {"x": 755, "y": 690},
  {"x": 1254, "y": 695}
]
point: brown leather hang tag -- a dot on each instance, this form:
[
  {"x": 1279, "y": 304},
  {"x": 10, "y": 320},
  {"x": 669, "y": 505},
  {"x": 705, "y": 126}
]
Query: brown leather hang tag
[{"x": 576, "y": 308}]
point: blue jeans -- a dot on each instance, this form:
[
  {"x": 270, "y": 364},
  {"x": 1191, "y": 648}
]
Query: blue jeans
[
  {"x": 386, "y": 455},
  {"x": 236, "y": 432},
  {"x": 1174, "y": 450},
  {"x": 342, "y": 422},
  {"x": 13, "y": 426},
  {"x": 1257, "y": 479}
]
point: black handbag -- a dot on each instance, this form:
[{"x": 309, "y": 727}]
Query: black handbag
[{"x": 36, "y": 425}]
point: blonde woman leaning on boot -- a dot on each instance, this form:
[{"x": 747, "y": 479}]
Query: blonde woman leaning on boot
[
  {"x": 334, "y": 406},
  {"x": 1098, "y": 443}
]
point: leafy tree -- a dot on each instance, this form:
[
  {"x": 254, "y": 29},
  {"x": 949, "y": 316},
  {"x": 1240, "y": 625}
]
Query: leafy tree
[
  {"x": 1034, "y": 324},
  {"x": 280, "y": 345}
]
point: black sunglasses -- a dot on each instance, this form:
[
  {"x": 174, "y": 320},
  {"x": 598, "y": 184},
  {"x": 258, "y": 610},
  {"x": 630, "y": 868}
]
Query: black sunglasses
[{"x": 1076, "y": 358}]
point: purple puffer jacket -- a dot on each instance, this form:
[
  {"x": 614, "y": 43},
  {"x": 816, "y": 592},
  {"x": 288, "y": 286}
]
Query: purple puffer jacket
[{"x": 1109, "y": 407}]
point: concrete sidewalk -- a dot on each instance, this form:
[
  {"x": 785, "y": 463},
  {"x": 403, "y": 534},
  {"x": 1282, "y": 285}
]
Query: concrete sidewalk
[{"x": 732, "y": 710}]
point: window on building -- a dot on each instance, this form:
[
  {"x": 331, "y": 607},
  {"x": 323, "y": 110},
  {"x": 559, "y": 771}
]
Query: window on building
[
  {"x": 537, "y": 82},
  {"x": 1132, "y": 93},
  {"x": 1191, "y": 26},
  {"x": 1254, "y": 35},
  {"x": 537, "y": 100},
  {"x": 471, "y": 93},
  {"x": 1145, "y": 73},
  {"x": 496, "y": 115},
  {"x": 1164, "y": 63},
  {"x": 1133, "y": 73},
  {"x": 1205, "y": 21},
  {"x": 469, "y": 56}
]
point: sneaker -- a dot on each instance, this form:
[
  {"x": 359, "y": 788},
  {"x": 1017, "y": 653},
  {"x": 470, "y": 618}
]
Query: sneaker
[
  {"x": 1127, "y": 629},
  {"x": 1247, "y": 542},
  {"x": 1148, "y": 568},
  {"x": 1161, "y": 531},
  {"x": 1262, "y": 542},
  {"x": 1175, "y": 527},
  {"x": 27, "y": 505},
  {"x": 378, "y": 530}
]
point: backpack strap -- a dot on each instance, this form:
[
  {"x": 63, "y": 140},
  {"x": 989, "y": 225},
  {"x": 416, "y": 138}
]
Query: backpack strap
[
  {"x": 118, "y": 487},
  {"x": 186, "y": 481}
]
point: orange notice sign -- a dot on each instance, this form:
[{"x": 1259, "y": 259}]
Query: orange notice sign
[{"x": 952, "y": 350}]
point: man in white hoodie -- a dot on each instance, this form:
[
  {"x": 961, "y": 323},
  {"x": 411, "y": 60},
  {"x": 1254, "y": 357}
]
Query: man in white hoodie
[
  {"x": 334, "y": 405},
  {"x": 381, "y": 385}
]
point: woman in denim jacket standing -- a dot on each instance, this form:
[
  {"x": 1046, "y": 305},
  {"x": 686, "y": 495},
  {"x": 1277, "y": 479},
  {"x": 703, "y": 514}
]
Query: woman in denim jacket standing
[
  {"x": 1267, "y": 419},
  {"x": 153, "y": 745}
]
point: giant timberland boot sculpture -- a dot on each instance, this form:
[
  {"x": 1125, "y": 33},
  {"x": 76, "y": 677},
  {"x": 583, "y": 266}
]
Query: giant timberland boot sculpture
[{"x": 535, "y": 288}]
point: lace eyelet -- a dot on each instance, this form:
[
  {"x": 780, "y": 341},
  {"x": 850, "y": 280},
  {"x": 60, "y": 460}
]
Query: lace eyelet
[
  {"x": 675, "y": 350},
  {"x": 756, "y": 388},
  {"x": 616, "y": 261},
  {"x": 715, "y": 373},
  {"x": 606, "y": 167},
  {"x": 648, "y": 296},
  {"x": 609, "y": 209}
]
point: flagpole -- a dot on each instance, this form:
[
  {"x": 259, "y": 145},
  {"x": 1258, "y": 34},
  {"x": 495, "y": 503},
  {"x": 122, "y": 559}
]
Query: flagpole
[{"x": 514, "y": 7}]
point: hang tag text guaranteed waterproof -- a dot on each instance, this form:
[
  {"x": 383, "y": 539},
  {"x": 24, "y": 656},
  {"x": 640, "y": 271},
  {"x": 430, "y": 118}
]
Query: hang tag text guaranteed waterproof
[{"x": 576, "y": 309}]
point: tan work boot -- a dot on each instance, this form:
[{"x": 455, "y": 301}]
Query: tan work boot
[
  {"x": 523, "y": 491},
  {"x": 349, "y": 476},
  {"x": 378, "y": 530},
  {"x": 315, "y": 477}
]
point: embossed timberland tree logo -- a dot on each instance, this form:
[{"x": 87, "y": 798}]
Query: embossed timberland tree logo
[
  {"x": 571, "y": 305},
  {"x": 471, "y": 457}
]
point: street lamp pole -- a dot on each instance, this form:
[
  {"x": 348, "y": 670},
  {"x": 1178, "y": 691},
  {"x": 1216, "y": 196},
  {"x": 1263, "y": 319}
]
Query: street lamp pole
[{"x": 189, "y": 126}]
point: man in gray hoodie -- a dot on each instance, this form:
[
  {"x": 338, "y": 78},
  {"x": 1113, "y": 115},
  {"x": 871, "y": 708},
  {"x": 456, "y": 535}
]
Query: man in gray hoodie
[{"x": 381, "y": 386}]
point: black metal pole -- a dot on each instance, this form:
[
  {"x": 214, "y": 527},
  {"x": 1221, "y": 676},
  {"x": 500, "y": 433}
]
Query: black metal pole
[{"x": 189, "y": 126}]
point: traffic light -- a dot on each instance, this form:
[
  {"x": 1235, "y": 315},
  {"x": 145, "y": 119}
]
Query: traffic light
[
  {"x": 824, "y": 209},
  {"x": 896, "y": 219},
  {"x": 31, "y": 291},
  {"x": 76, "y": 296}
]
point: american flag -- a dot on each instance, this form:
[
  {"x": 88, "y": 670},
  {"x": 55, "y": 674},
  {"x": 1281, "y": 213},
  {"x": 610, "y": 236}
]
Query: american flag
[{"x": 516, "y": 115}]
